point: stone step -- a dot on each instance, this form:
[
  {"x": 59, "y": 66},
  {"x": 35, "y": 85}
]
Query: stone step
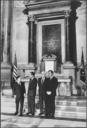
[
  {"x": 62, "y": 103},
  {"x": 71, "y": 103},
  {"x": 71, "y": 115},
  {"x": 59, "y": 108},
  {"x": 71, "y": 108},
  {"x": 71, "y": 97},
  {"x": 79, "y": 105},
  {"x": 64, "y": 108},
  {"x": 58, "y": 113}
]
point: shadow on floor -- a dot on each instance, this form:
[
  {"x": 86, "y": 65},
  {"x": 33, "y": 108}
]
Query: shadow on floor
[
  {"x": 43, "y": 117},
  {"x": 11, "y": 126},
  {"x": 7, "y": 114}
]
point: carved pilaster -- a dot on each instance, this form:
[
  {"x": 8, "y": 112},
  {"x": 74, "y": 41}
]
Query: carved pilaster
[
  {"x": 6, "y": 17},
  {"x": 31, "y": 40},
  {"x": 5, "y": 26},
  {"x": 67, "y": 35}
]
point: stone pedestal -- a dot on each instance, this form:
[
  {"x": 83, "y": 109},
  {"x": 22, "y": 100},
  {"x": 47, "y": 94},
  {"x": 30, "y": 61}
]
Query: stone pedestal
[
  {"x": 5, "y": 71},
  {"x": 68, "y": 69},
  {"x": 5, "y": 76}
]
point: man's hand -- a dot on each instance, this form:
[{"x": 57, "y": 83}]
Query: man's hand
[
  {"x": 24, "y": 95},
  {"x": 48, "y": 92},
  {"x": 14, "y": 96}
]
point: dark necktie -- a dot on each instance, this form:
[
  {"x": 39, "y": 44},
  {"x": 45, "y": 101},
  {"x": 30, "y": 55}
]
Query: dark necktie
[{"x": 42, "y": 81}]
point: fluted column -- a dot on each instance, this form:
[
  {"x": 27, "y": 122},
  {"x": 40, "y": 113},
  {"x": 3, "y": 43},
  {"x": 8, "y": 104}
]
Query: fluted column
[
  {"x": 2, "y": 30},
  {"x": 67, "y": 35},
  {"x": 72, "y": 36},
  {"x": 6, "y": 30},
  {"x": 31, "y": 40},
  {"x": 72, "y": 31}
]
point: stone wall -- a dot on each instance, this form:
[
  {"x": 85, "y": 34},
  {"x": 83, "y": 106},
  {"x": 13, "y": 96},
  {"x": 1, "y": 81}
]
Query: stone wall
[
  {"x": 81, "y": 32},
  {"x": 20, "y": 33}
]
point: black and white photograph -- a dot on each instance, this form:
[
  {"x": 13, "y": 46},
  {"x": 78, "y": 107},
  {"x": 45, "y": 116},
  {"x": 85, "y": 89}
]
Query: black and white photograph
[{"x": 43, "y": 63}]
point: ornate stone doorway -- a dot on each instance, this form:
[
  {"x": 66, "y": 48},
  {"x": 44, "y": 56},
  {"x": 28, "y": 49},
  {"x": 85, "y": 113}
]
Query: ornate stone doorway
[{"x": 51, "y": 39}]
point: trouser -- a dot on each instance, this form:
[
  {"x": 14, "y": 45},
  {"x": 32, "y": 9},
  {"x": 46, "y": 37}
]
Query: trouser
[
  {"x": 21, "y": 101},
  {"x": 42, "y": 103},
  {"x": 31, "y": 104},
  {"x": 50, "y": 105}
]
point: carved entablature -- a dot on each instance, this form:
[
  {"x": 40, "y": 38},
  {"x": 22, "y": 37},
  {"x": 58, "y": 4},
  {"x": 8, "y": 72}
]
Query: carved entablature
[{"x": 50, "y": 9}]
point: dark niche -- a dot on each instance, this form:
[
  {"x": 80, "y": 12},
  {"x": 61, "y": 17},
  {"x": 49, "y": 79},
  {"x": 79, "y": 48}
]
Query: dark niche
[{"x": 51, "y": 40}]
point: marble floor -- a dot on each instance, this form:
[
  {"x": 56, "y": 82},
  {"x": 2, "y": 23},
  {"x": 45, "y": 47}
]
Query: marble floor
[{"x": 8, "y": 120}]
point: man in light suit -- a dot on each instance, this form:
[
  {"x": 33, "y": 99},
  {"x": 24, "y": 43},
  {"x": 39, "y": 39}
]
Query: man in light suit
[
  {"x": 32, "y": 94},
  {"x": 41, "y": 85}
]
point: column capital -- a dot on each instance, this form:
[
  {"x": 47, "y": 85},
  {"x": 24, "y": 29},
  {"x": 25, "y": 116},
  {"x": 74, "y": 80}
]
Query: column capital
[
  {"x": 75, "y": 4},
  {"x": 31, "y": 18},
  {"x": 73, "y": 16},
  {"x": 67, "y": 13}
]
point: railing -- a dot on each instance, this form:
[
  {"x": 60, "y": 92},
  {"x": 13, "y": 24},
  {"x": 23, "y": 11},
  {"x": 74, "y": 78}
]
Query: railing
[{"x": 64, "y": 86}]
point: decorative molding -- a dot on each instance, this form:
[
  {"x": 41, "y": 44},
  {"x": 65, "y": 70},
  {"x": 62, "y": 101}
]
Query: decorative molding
[
  {"x": 67, "y": 13},
  {"x": 49, "y": 57},
  {"x": 51, "y": 15},
  {"x": 31, "y": 18},
  {"x": 20, "y": 3},
  {"x": 36, "y": 2},
  {"x": 50, "y": 8},
  {"x": 44, "y": 5}
]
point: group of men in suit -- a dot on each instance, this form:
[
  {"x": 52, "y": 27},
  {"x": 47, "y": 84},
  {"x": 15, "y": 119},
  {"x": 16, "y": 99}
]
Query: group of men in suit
[{"x": 47, "y": 92}]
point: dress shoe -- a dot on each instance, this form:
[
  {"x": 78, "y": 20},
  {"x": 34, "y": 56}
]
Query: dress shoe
[
  {"x": 15, "y": 113},
  {"x": 33, "y": 114},
  {"x": 40, "y": 113},
  {"x": 52, "y": 115},
  {"x": 28, "y": 113},
  {"x": 20, "y": 114},
  {"x": 46, "y": 115}
]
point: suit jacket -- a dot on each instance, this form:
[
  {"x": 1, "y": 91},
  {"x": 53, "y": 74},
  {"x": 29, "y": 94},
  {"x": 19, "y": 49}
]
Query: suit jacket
[
  {"x": 51, "y": 86},
  {"x": 19, "y": 89},
  {"x": 32, "y": 87},
  {"x": 41, "y": 86}
]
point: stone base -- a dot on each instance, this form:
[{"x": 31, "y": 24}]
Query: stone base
[
  {"x": 68, "y": 69},
  {"x": 5, "y": 72},
  {"x": 5, "y": 76}
]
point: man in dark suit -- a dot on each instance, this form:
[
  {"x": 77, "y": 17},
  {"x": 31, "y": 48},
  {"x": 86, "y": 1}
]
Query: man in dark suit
[
  {"x": 50, "y": 92},
  {"x": 32, "y": 94},
  {"x": 12, "y": 81},
  {"x": 41, "y": 85},
  {"x": 19, "y": 90}
]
